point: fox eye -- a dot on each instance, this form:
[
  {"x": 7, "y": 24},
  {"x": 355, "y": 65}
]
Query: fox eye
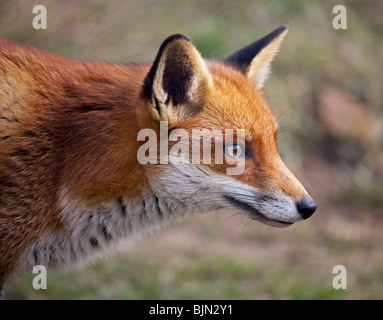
[{"x": 235, "y": 150}]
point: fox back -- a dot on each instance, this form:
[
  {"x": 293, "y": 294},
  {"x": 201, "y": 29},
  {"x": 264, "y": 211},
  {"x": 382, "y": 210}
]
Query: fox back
[{"x": 71, "y": 181}]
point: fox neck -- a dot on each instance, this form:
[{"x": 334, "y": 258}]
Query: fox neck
[{"x": 92, "y": 230}]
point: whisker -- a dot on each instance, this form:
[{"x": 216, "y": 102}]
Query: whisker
[
  {"x": 246, "y": 224},
  {"x": 283, "y": 129},
  {"x": 291, "y": 106},
  {"x": 284, "y": 112},
  {"x": 232, "y": 216},
  {"x": 190, "y": 197}
]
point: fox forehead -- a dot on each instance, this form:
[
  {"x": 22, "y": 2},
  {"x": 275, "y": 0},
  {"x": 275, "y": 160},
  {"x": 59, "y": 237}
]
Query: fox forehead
[{"x": 234, "y": 103}]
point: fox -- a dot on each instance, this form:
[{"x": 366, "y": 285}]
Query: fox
[{"x": 71, "y": 185}]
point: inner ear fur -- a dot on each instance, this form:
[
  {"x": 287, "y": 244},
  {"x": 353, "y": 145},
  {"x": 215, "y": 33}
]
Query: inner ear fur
[{"x": 177, "y": 81}]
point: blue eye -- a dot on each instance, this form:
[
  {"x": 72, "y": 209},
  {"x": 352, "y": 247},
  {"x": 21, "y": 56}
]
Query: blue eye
[{"x": 235, "y": 151}]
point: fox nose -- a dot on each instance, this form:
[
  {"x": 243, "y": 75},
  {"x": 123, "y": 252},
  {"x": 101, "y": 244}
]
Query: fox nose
[{"x": 306, "y": 207}]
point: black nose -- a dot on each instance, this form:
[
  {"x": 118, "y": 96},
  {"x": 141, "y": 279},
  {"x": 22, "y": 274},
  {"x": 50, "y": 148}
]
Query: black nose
[{"x": 306, "y": 207}]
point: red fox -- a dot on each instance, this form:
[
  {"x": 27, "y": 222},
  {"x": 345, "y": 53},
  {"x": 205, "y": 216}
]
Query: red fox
[{"x": 71, "y": 184}]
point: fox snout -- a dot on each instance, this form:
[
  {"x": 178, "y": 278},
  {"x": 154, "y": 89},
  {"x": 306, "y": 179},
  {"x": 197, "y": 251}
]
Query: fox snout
[
  {"x": 306, "y": 207},
  {"x": 292, "y": 187}
]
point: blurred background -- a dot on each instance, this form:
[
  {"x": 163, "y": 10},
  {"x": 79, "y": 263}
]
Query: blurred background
[{"x": 326, "y": 90}]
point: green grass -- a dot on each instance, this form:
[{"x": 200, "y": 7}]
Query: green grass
[{"x": 216, "y": 278}]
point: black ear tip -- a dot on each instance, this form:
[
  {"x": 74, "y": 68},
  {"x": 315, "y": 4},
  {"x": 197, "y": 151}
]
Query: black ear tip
[
  {"x": 174, "y": 37},
  {"x": 168, "y": 40},
  {"x": 242, "y": 58},
  {"x": 284, "y": 27},
  {"x": 280, "y": 30}
]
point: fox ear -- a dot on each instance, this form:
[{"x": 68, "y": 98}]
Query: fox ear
[
  {"x": 255, "y": 59},
  {"x": 177, "y": 81}
]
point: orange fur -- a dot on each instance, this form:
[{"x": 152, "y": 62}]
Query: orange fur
[
  {"x": 72, "y": 125},
  {"x": 55, "y": 115}
]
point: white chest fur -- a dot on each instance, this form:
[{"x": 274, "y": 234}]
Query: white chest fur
[{"x": 90, "y": 231}]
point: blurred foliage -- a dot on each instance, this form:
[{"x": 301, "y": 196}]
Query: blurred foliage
[{"x": 322, "y": 78}]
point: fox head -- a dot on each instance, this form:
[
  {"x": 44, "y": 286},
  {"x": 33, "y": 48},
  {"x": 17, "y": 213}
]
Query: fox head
[{"x": 190, "y": 93}]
